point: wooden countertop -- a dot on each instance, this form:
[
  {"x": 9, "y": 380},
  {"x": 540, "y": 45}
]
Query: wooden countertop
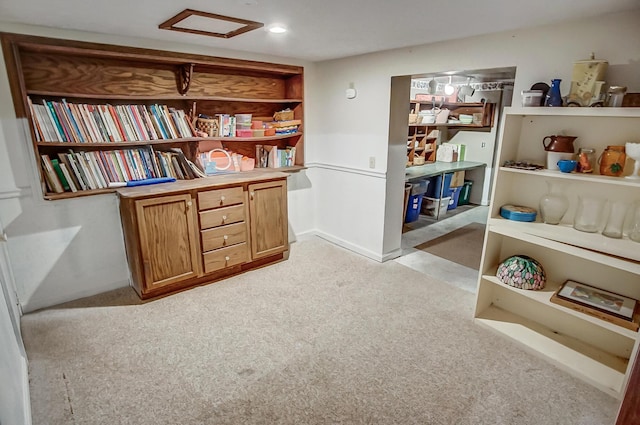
[{"x": 219, "y": 181}]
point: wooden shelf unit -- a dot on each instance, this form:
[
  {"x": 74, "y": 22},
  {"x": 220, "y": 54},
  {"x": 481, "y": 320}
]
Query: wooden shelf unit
[
  {"x": 41, "y": 68},
  {"x": 587, "y": 347}
]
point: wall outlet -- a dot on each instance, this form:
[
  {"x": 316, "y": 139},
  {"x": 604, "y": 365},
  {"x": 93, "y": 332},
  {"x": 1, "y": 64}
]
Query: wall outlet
[{"x": 372, "y": 162}]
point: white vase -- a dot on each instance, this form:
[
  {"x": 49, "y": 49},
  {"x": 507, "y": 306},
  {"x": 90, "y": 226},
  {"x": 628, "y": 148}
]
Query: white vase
[{"x": 553, "y": 204}]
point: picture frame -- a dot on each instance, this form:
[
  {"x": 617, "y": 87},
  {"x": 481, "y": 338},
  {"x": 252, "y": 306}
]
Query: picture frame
[{"x": 606, "y": 305}]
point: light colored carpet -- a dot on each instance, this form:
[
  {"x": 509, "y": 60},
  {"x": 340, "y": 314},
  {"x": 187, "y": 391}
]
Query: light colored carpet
[
  {"x": 462, "y": 246},
  {"x": 327, "y": 337}
]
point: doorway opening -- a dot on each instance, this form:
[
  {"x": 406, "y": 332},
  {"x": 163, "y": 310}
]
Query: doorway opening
[{"x": 452, "y": 128}]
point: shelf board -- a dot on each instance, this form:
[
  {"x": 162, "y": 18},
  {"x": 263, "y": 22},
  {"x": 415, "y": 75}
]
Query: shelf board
[
  {"x": 573, "y": 112},
  {"x": 564, "y": 238},
  {"x": 589, "y": 363},
  {"x": 585, "y": 177},
  {"x": 156, "y": 97},
  {"x": 69, "y": 195},
  {"x": 543, "y": 296},
  {"x": 170, "y": 141}
]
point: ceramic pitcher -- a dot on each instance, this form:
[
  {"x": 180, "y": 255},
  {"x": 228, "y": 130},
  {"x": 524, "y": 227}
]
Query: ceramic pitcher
[{"x": 558, "y": 143}]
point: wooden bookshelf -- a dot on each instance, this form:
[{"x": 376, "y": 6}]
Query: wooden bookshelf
[{"x": 44, "y": 70}]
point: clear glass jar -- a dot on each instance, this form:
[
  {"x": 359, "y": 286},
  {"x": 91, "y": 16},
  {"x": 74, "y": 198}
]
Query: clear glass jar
[{"x": 586, "y": 160}]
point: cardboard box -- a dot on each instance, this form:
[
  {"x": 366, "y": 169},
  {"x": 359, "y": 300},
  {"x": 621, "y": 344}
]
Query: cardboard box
[{"x": 458, "y": 179}]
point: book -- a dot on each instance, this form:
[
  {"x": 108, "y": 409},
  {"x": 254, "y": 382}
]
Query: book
[
  {"x": 176, "y": 166},
  {"x": 50, "y": 175},
  {"x": 61, "y": 177},
  {"x": 158, "y": 121},
  {"x": 36, "y": 126},
  {"x": 64, "y": 160},
  {"x": 60, "y": 131},
  {"x": 184, "y": 165},
  {"x": 75, "y": 167},
  {"x": 67, "y": 175}
]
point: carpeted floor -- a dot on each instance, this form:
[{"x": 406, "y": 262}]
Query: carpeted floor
[
  {"x": 326, "y": 337},
  {"x": 462, "y": 246}
]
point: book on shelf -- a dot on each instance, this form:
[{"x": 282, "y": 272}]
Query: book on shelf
[
  {"x": 51, "y": 177},
  {"x": 63, "y": 121},
  {"x": 61, "y": 176},
  {"x": 67, "y": 175}
]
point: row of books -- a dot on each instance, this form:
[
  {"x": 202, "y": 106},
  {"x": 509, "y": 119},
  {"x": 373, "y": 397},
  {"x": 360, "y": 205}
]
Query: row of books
[
  {"x": 268, "y": 156},
  {"x": 76, "y": 171},
  {"x": 84, "y": 123}
]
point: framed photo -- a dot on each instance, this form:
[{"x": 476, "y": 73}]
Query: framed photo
[
  {"x": 597, "y": 302},
  {"x": 597, "y": 298}
]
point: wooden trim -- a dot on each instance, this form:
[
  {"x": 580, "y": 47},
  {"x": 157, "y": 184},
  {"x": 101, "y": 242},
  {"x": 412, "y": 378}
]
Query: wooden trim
[
  {"x": 629, "y": 413},
  {"x": 170, "y": 23},
  {"x": 72, "y": 47}
]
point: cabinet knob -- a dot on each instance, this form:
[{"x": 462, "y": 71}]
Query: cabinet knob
[
  {"x": 251, "y": 193},
  {"x": 224, "y": 217},
  {"x": 222, "y": 198},
  {"x": 226, "y": 258},
  {"x": 189, "y": 203},
  {"x": 225, "y": 237}
]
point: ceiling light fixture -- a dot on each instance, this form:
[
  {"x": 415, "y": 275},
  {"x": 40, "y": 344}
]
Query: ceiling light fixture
[
  {"x": 449, "y": 89},
  {"x": 276, "y": 29}
]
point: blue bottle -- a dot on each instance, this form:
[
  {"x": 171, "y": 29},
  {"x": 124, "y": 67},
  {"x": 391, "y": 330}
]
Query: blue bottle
[{"x": 554, "y": 97}]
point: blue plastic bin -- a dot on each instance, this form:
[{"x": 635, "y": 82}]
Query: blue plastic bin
[
  {"x": 418, "y": 189},
  {"x": 434, "y": 186},
  {"x": 413, "y": 209},
  {"x": 454, "y": 192}
]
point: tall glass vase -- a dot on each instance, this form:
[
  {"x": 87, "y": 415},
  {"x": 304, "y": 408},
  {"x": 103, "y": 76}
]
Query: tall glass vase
[
  {"x": 617, "y": 214},
  {"x": 553, "y": 204}
]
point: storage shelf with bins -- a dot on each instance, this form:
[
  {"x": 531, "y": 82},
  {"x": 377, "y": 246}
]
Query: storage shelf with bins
[
  {"x": 48, "y": 69},
  {"x": 588, "y": 347}
]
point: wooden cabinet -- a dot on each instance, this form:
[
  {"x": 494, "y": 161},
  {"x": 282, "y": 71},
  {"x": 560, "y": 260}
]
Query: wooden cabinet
[
  {"x": 586, "y": 346},
  {"x": 89, "y": 83},
  {"x": 268, "y": 207},
  {"x": 194, "y": 232},
  {"x": 168, "y": 245}
]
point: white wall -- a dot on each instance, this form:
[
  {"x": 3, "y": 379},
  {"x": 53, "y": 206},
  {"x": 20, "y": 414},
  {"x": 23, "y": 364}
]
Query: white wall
[
  {"x": 15, "y": 407},
  {"x": 67, "y": 249},
  {"x": 348, "y": 132}
]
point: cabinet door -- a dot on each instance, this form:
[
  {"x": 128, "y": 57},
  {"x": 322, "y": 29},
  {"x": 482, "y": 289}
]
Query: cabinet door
[
  {"x": 168, "y": 240},
  {"x": 268, "y": 218}
]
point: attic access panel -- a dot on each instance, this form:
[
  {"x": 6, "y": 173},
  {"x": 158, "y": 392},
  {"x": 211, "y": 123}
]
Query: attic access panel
[{"x": 209, "y": 24}]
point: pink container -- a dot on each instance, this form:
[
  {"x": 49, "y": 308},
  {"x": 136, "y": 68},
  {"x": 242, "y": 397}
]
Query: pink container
[
  {"x": 244, "y": 133},
  {"x": 256, "y": 125}
]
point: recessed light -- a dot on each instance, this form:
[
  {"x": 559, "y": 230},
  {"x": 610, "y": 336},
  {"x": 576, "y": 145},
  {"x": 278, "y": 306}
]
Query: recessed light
[{"x": 276, "y": 29}]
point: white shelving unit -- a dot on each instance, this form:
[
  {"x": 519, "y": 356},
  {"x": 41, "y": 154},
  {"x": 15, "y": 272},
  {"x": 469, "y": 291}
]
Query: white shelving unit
[{"x": 590, "y": 348}]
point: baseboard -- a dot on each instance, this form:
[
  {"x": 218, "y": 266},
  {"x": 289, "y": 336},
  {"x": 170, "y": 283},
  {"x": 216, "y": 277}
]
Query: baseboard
[
  {"x": 26, "y": 394},
  {"x": 351, "y": 247}
]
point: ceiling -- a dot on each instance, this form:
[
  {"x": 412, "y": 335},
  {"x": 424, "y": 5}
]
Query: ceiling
[{"x": 318, "y": 30}]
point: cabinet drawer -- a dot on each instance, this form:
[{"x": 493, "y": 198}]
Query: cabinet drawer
[
  {"x": 221, "y": 216},
  {"x": 220, "y": 198},
  {"x": 225, "y": 257},
  {"x": 223, "y": 236}
]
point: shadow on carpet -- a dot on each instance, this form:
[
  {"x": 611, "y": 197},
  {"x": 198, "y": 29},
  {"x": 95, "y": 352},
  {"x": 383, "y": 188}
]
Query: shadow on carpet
[{"x": 462, "y": 246}]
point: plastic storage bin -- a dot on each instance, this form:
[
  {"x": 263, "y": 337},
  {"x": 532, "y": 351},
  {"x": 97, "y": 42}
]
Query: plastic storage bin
[
  {"x": 430, "y": 206},
  {"x": 465, "y": 193},
  {"x": 413, "y": 208},
  {"x": 454, "y": 194},
  {"x": 434, "y": 185},
  {"x": 418, "y": 189}
]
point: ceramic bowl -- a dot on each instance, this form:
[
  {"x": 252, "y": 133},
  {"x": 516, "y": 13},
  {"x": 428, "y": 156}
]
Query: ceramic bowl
[{"x": 567, "y": 165}]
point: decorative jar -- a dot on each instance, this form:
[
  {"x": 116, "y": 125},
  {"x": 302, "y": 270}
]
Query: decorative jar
[{"x": 612, "y": 161}]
